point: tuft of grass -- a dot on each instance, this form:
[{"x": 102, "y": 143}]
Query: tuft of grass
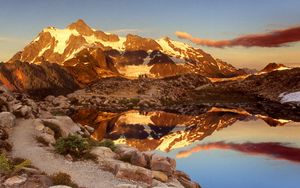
[
  {"x": 63, "y": 179},
  {"x": 8, "y": 167}
]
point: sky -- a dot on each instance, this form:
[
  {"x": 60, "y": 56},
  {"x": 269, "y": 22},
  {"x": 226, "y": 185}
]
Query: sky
[{"x": 21, "y": 21}]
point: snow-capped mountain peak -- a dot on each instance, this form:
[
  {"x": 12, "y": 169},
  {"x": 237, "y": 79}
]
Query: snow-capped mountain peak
[{"x": 162, "y": 57}]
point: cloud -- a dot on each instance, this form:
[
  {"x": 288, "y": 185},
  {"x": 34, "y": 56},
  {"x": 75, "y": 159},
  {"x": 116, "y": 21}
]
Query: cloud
[
  {"x": 274, "y": 38},
  {"x": 269, "y": 149},
  {"x": 126, "y": 30}
]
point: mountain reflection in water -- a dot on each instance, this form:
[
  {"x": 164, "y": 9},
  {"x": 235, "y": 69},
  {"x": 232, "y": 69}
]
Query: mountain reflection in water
[{"x": 160, "y": 130}]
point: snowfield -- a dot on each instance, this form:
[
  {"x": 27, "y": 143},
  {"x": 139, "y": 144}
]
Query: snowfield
[{"x": 290, "y": 97}]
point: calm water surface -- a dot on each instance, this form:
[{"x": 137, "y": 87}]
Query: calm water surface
[{"x": 220, "y": 148}]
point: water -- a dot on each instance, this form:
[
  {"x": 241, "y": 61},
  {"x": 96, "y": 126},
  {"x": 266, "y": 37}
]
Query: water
[{"x": 220, "y": 148}]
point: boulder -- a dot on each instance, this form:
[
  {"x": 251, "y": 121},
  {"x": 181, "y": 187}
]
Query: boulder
[
  {"x": 25, "y": 111},
  {"x": 14, "y": 181},
  {"x": 134, "y": 173},
  {"x": 125, "y": 152},
  {"x": 61, "y": 101},
  {"x": 138, "y": 159},
  {"x": 62, "y": 125},
  {"x": 7, "y": 119},
  {"x": 164, "y": 164},
  {"x": 103, "y": 152},
  {"x": 60, "y": 186},
  {"x": 49, "y": 98}
]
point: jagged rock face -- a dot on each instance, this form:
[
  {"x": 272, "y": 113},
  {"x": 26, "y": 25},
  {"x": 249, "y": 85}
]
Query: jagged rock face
[
  {"x": 154, "y": 58},
  {"x": 40, "y": 80},
  {"x": 136, "y": 43}
]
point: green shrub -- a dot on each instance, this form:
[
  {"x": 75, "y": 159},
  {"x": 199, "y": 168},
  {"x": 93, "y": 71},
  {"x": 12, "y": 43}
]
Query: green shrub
[
  {"x": 63, "y": 179},
  {"x": 73, "y": 144}
]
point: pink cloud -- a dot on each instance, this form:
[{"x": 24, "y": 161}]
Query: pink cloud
[{"x": 274, "y": 38}]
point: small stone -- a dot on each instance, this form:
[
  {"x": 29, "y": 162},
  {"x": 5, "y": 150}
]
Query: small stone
[
  {"x": 127, "y": 186},
  {"x": 14, "y": 181}
]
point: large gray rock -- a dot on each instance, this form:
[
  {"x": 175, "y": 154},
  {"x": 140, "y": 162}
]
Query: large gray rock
[
  {"x": 62, "y": 125},
  {"x": 7, "y": 119}
]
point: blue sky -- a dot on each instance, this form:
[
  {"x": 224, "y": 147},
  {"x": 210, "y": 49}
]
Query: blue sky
[{"x": 21, "y": 21}]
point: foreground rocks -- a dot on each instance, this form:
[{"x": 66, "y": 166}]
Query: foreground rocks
[{"x": 129, "y": 163}]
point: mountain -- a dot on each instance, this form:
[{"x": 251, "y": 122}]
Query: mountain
[{"x": 89, "y": 54}]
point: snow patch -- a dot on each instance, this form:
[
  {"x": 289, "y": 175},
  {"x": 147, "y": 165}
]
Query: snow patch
[
  {"x": 61, "y": 37},
  {"x": 290, "y": 97},
  {"x": 135, "y": 71}
]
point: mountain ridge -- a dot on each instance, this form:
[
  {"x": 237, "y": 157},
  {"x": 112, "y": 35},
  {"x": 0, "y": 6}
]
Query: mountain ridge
[{"x": 155, "y": 57}]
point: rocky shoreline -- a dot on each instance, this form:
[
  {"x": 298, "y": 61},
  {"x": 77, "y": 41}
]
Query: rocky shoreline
[{"x": 19, "y": 115}]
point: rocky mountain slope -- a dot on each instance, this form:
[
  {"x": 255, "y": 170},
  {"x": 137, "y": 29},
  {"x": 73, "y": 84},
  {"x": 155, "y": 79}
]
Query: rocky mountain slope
[
  {"x": 89, "y": 54},
  {"x": 38, "y": 80}
]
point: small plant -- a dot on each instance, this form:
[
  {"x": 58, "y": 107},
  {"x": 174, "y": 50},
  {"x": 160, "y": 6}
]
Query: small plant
[
  {"x": 8, "y": 167},
  {"x": 63, "y": 179},
  {"x": 5, "y": 165},
  {"x": 73, "y": 144}
]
